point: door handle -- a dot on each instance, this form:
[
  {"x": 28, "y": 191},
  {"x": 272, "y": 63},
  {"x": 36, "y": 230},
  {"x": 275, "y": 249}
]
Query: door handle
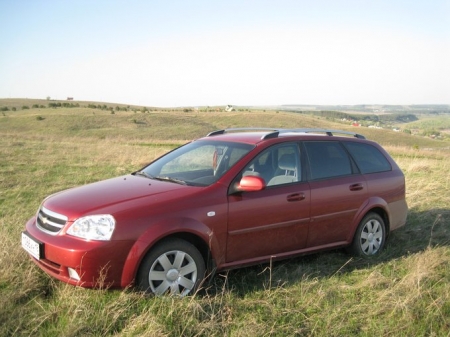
[
  {"x": 296, "y": 197},
  {"x": 356, "y": 187}
]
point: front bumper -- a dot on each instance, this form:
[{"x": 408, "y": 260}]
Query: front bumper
[{"x": 98, "y": 263}]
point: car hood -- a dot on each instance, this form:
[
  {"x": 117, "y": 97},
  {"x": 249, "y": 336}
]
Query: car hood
[{"x": 104, "y": 195}]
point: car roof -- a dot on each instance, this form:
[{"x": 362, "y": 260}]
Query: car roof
[{"x": 256, "y": 135}]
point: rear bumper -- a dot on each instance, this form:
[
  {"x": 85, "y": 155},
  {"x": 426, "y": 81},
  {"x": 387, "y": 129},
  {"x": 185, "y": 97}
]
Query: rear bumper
[{"x": 98, "y": 263}]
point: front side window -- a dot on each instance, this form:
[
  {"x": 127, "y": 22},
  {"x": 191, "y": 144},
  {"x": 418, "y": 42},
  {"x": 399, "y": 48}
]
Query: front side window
[
  {"x": 198, "y": 163},
  {"x": 368, "y": 158},
  {"x": 327, "y": 159},
  {"x": 277, "y": 165}
]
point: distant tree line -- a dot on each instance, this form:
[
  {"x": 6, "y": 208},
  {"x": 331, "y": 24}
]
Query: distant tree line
[
  {"x": 24, "y": 107},
  {"x": 384, "y": 118},
  {"x": 63, "y": 105}
]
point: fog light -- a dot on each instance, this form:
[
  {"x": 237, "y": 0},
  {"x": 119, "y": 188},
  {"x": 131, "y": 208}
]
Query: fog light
[{"x": 73, "y": 274}]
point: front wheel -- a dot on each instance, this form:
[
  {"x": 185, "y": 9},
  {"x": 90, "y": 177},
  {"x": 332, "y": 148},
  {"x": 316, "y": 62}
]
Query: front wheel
[
  {"x": 369, "y": 237},
  {"x": 172, "y": 267}
]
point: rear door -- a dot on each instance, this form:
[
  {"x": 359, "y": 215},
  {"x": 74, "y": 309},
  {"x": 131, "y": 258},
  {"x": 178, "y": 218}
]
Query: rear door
[
  {"x": 337, "y": 192},
  {"x": 275, "y": 220}
]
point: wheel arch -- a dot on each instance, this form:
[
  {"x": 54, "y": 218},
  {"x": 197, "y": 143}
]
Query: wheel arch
[
  {"x": 197, "y": 234},
  {"x": 193, "y": 239},
  {"x": 384, "y": 215},
  {"x": 374, "y": 205}
]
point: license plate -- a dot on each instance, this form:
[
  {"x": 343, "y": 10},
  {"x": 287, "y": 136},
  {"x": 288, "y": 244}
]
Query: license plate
[{"x": 31, "y": 246}]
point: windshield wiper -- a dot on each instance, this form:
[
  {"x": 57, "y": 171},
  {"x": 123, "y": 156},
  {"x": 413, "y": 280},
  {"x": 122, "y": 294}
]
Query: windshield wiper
[
  {"x": 162, "y": 178},
  {"x": 166, "y": 178},
  {"x": 143, "y": 174}
]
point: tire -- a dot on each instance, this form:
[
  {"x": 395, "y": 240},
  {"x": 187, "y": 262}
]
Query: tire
[
  {"x": 370, "y": 236},
  {"x": 173, "y": 266}
]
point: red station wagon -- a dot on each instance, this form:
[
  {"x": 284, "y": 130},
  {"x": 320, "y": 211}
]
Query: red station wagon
[{"x": 234, "y": 198}]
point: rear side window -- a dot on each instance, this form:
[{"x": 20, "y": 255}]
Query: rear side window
[
  {"x": 368, "y": 158},
  {"x": 327, "y": 159}
]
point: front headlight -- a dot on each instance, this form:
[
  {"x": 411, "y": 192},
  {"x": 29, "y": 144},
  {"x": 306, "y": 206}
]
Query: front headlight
[{"x": 93, "y": 227}]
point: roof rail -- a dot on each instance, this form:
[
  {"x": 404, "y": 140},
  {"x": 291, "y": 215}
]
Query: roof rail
[
  {"x": 328, "y": 132},
  {"x": 274, "y": 133}
]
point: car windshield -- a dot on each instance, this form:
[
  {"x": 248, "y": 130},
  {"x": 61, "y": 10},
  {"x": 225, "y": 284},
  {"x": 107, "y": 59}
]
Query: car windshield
[{"x": 199, "y": 163}]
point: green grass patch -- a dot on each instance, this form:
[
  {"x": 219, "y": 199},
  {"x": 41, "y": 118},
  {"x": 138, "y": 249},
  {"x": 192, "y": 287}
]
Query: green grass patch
[{"x": 426, "y": 122}]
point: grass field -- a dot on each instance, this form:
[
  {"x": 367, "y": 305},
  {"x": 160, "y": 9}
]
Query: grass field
[
  {"x": 438, "y": 123},
  {"x": 405, "y": 292}
]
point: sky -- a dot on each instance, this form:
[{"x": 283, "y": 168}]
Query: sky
[{"x": 175, "y": 53}]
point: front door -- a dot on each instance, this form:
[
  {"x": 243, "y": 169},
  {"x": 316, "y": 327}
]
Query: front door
[{"x": 275, "y": 220}]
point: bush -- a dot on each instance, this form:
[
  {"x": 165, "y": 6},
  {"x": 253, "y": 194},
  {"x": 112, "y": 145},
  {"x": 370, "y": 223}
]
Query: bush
[
  {"x": 25, "y": 107},
  {"x": 431, "y": 132},
  {"x": 40, "y": 118},
  {"x": 4, "y": 108}
]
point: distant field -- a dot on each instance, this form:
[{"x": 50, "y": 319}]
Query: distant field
[
  {"x": 405, "y": 292},
  {"x": 428, "y": 122}
]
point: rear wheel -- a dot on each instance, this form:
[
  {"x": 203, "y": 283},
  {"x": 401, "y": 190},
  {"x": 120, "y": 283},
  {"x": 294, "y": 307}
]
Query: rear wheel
[
  {"x": 173, "y": 266},
  {"x": 369, "y": 237}
]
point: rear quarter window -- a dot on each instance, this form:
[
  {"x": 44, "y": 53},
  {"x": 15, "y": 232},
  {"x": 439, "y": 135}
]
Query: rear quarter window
[{"x": 368, "y": 158}]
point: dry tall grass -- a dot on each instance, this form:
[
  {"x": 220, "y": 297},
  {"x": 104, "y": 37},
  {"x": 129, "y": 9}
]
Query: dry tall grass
[{"x": 403, "y": 293}]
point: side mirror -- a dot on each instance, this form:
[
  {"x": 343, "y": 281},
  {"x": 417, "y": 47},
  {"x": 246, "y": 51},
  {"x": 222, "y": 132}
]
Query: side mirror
[{"x": 251, "y": 184}]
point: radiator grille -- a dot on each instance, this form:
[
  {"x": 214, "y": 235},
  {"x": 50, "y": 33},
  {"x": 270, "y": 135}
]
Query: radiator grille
[{"x": 50, "y": 222}]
